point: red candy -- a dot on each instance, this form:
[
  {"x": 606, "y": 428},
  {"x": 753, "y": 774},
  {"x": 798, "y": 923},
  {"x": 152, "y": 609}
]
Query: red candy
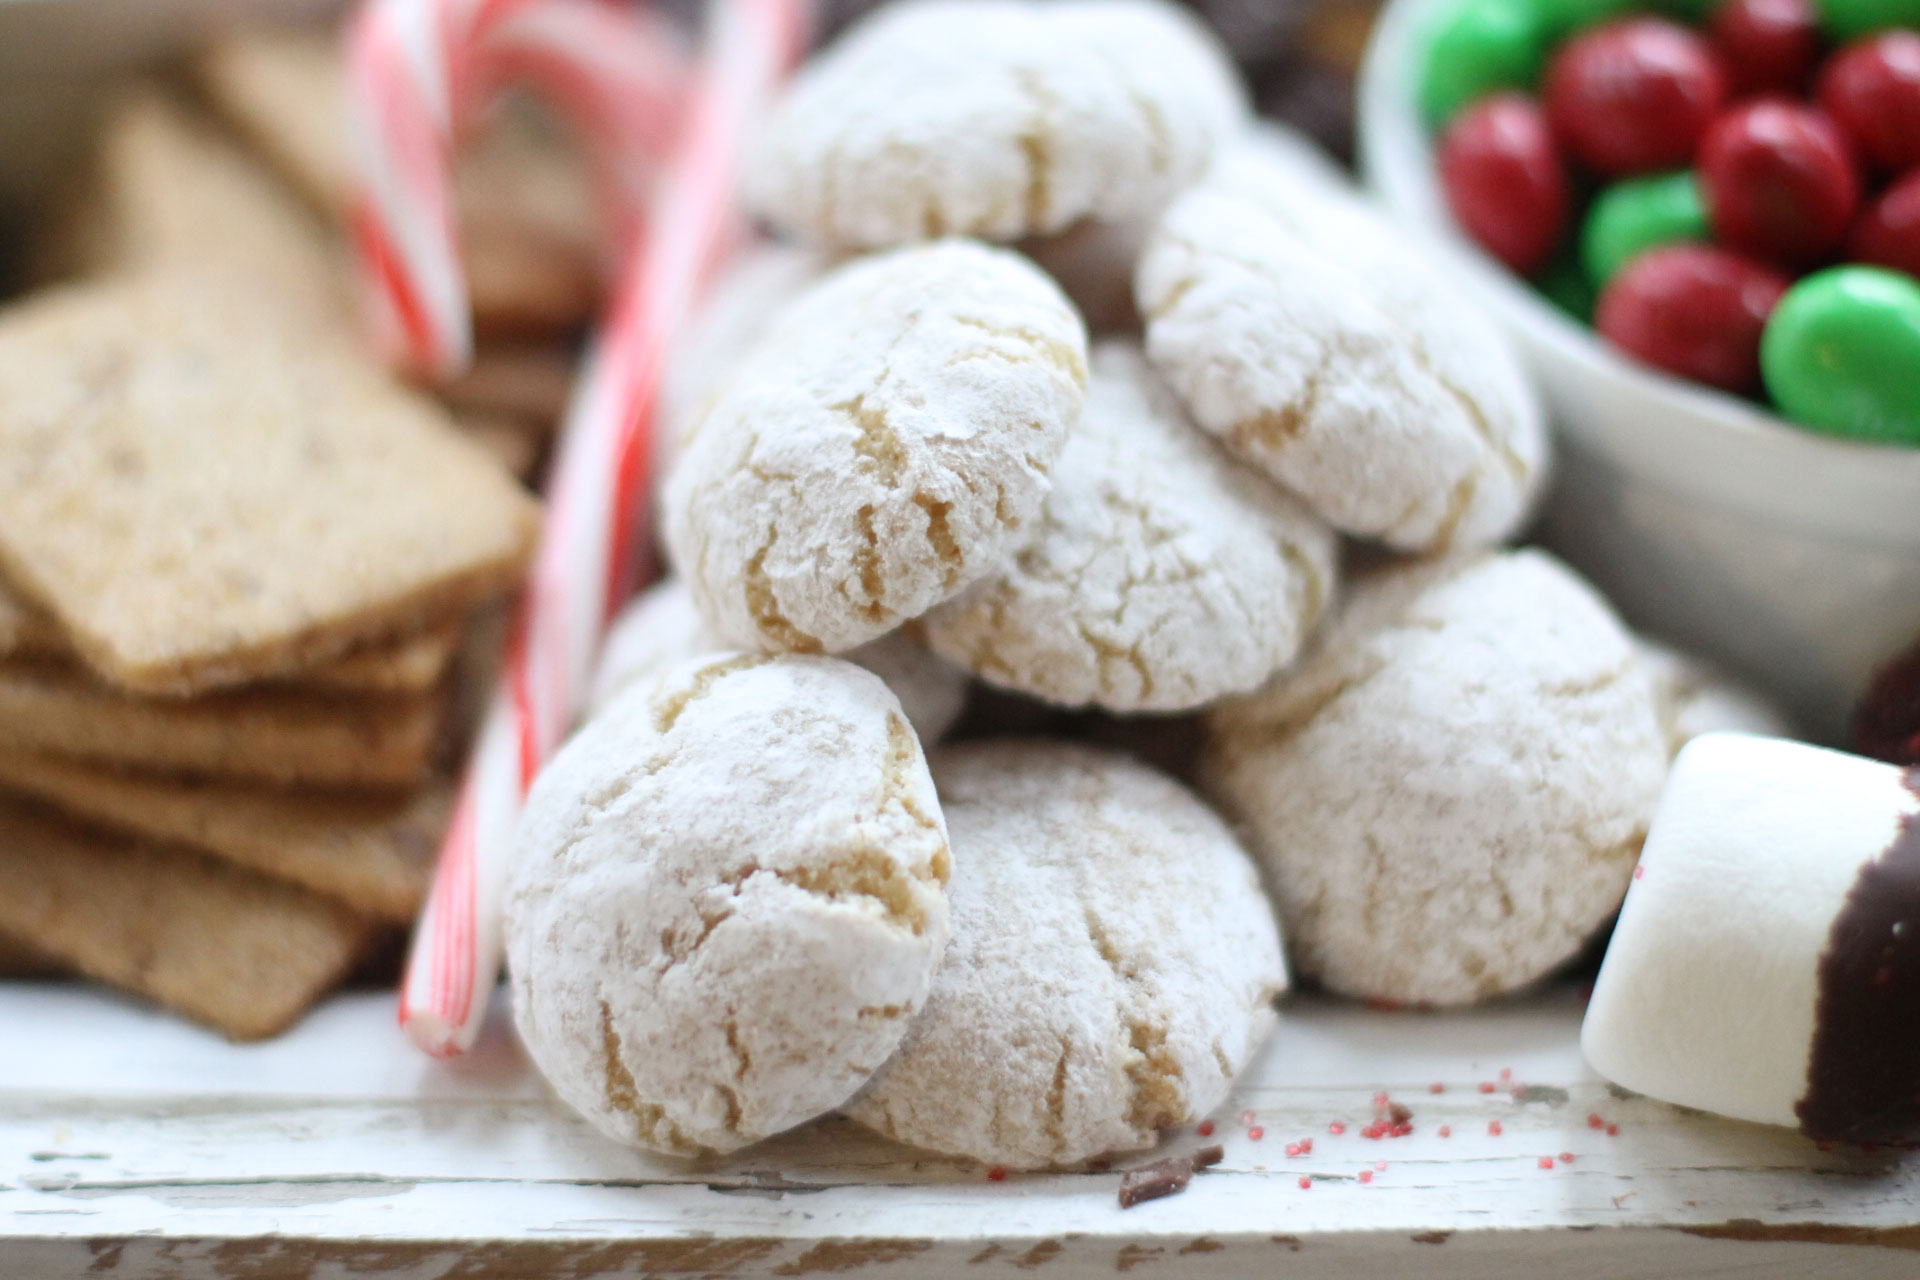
[
  {"x": 1872, "y": 91},
  {"x": 1888, "y": 233},
  {"x": 1780, "y": 182},
  {"x": 1634, "y": 96},
  {"x": 1766, "y": 46},
  {"x": 1692, "y": 310},
  {"x": 1504, "y": 180}
]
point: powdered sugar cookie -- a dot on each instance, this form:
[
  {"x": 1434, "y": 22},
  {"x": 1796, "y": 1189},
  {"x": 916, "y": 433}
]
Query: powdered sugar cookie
[
  {"x": 1161, "y": 575},
  {"x": 1694, "y": 697},
  {"x": 1304, "y": 331},
  {"x": 996, "y": 118},
  {"x": 737, "y": 313},
  {"x": 1113, "y": 963},
  {"x": 661, "y": 629},
  {"x": 727, "y": 901},
  {"x": 886, "y": 447},
  {"x": 1450, "y": 791}
]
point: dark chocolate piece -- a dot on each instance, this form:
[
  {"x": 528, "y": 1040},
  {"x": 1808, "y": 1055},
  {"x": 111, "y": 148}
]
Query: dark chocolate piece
[
  {"x": 1886, "y": 720},
  {"x": 1167, "y": 1177},
  {"x": 1863, "y": 1076},
  {"x": 1207, "y": 1157}
]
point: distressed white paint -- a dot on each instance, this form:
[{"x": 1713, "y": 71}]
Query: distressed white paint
[{"x": 335, "y": 1151}]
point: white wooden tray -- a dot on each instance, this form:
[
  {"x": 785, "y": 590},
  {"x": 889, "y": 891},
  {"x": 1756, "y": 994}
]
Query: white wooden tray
[{"x": 133, "y": 1145}]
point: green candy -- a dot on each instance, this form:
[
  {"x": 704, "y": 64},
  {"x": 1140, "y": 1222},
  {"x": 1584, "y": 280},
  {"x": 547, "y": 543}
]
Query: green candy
[
  {"x": 1841, "y": 354},
  {"x": 1483, "y": 46},
  {"x": 1563, "y": 18},
  {"x": 1845, "y": 20},
  {"x": 1565, "y": 285},
  {"x": 1634, "y": 216}
]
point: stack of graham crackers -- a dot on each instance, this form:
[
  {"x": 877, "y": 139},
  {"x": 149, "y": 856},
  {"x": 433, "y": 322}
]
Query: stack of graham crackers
[{"x": 241, "y": 567}]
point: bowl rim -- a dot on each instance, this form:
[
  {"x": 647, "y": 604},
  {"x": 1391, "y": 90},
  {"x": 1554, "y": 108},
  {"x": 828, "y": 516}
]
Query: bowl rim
[{"x": 1396, "y": 158}]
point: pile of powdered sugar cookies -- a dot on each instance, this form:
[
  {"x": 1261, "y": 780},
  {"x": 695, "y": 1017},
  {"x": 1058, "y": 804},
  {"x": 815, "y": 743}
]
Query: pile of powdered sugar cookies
[{"x": 1269, "y": 494}]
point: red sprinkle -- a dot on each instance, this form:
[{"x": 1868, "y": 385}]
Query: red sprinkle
[
  {"x": 1336, "y": 1128},
  {"x": 1566, "y": 1157},
  {"x": 1494, "y": 1128},
  {"x": 1446, "y": 1131},
  {"x": 1306, "y": 1184},
  {"x": 1613, "y": 1131},
  {"x": 1436, "y": 1088},
  {"x": 1638, "y": 872},
  {"x": 1306, "y": 1146},
  {"x": 1293, "y": 1148},
  {"x": 1380, "y": 1099},
  {"x": 1595, "y": 1122},
  {"x": 1381, "y": 1165},
  {"x": 1204, "y": 1128},
  {"x": 996, "y": 1174},
  {"x": 1373, "y": 1131},
  {"x": 1546, "y": 1162},
  {"x": 1246, "y": 1117},
  {"x": 1256, "y": 1133},
  {"x": 1366, "y": 1176},
  {"x": 1506, "y": 1073},
  {"x": 1486, "y": 1086}
]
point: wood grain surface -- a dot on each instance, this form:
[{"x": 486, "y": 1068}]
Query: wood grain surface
[{"x": 132, "y": 1145}]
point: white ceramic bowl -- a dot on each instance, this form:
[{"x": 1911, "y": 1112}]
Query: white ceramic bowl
[{"x": 1791, "y": 558}]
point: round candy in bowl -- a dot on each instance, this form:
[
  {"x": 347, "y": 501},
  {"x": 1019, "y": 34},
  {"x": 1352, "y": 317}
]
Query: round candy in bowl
[{"x": 1788, "y": 553}]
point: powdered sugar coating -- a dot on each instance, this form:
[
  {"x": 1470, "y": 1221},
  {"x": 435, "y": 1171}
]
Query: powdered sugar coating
[
  {"x": 1161, "y": 574},
  {"x": 1450, "y": 790},
  {"x": 994, "y": 118},
  {"x": 1306, "y": 332},
  {"x": 742, "y": 305},
  {"x": 1695, "y": 697},
  {"x": 886, "y": 447},
  {"x": 727, "y": 901},
  {"x": 660, "y": 628},
  {"x": 1113, "y": 963}
]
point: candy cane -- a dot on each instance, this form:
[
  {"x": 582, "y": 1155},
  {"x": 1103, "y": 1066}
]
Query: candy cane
[
  {"x": 596, "y": 511},
  {"x": 421, "y": 71}
]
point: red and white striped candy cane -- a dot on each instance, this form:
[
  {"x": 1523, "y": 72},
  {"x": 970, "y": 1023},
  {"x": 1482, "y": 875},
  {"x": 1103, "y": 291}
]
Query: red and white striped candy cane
[
  {"x": 421, "y": 72},
  {"x": 596, "y": 514}
]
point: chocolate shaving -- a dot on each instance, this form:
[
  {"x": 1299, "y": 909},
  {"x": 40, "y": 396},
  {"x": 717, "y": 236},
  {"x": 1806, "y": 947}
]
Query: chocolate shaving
[
  {"x": 1400, "y": 1113},
  {"x": 1168, "y": 1177}
]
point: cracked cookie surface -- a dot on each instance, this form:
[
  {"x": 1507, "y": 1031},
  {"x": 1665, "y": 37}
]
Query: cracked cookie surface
[
  {"x": 1161, "y": 574},
  {"x": 995, "y": 118},
  {"x": 661, "y": 629},
  {"x": 1450, "y": 790},
  {"x": 1113, "y": 963},
  {"x": 727, "y": 901},
  {"x": 1307, "y": 333},
  {"x": 886, "y": 445}
]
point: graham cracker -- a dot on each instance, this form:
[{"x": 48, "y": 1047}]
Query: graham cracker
[
  {"x": 268, "y": 735},
  {"x": 241, "y": 953},
  {"x": 530, "y": 228},
  {"x": 374, "y": 854},
  {"x": 203, "y": 497},
  {"x": 19, "y": 960},
  {"x": 410, "y": 664},
  {"x": 168, "y": 190},
  {"x": 513, "y": 443},
  {"x": 528, "y": 383}
]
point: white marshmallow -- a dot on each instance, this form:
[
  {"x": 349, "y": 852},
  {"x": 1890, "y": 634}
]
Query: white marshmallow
[{"x": 1711, "y": 989}]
